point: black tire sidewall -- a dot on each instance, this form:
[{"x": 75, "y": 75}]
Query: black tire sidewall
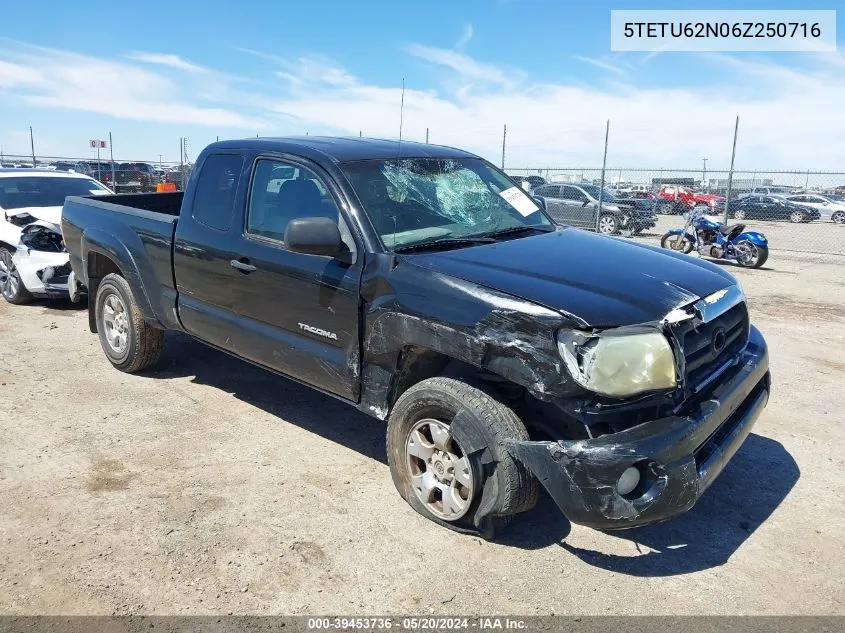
[
  {"x": 444, "y": 406},
  {"x": 110, "y": 285}
]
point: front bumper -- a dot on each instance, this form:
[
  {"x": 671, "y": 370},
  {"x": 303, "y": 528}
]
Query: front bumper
[{"x": 678, "y": 456}]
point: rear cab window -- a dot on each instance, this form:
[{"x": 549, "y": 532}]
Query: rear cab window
[{"x": 214, "y": 197}]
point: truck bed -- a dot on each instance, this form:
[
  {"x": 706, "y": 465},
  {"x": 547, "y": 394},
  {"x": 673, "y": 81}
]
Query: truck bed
[
  {"x": 136, "y": 232},
  {"x": 168, "y": 203}
]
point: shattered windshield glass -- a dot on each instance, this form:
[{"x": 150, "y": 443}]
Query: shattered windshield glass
[{"x": 418, "y": 200}]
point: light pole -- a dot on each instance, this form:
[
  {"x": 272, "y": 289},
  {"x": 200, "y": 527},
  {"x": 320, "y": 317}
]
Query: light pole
[{"x": 704, "y": 172}]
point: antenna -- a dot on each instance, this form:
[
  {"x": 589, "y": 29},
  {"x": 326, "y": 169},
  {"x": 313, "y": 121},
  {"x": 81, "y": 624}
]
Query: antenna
[
  {"x": 401, "y": 111},
  {"x": 398, "y": 155}
]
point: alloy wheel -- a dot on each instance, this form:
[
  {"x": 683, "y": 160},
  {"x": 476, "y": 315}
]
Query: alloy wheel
[
  {"x": 9, "y": 282},
  {"x": 116, "y": 323},
  {"x": 441, "y": 474}
]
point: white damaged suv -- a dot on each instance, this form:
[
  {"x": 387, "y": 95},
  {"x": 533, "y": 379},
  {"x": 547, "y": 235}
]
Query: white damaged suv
[{"x": 33, "y": 258}]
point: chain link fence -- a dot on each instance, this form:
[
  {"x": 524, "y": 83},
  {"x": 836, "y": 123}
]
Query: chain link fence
[
  {"x": 122, "y": 176},
  {"x": 802, "y": 211}
]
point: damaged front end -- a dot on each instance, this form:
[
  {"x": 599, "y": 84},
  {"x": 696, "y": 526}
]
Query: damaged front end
[
  {"x": 651, "y": 456},
  {"x": 42, "y": 261}
]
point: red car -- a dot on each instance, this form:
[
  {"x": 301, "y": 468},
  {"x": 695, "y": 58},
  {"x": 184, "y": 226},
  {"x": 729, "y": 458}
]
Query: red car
[{"x": 686, "y": 197}]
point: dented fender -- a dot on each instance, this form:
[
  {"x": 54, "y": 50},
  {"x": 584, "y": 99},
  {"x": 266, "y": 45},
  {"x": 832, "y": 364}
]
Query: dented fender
[{"x": 678, "y": 457}]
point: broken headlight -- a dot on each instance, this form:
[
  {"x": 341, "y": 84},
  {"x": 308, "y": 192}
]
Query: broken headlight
[{"x": 618, "y": 364}]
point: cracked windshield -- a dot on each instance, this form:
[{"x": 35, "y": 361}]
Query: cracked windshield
[{"x": 414, "y": 202}]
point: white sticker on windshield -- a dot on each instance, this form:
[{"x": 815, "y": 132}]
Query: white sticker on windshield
[{"x": 519, "y": 201}]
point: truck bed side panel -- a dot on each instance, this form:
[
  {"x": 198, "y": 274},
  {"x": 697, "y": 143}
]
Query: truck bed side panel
[{"x": 139, "y": 242}]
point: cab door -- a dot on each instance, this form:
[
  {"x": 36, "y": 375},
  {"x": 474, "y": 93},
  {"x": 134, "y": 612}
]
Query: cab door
[{"x": 298, "y": 314}]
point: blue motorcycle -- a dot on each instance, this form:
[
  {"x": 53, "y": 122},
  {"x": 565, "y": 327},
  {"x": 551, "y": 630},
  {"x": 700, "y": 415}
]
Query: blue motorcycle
[{"x": 711, "y": 238}]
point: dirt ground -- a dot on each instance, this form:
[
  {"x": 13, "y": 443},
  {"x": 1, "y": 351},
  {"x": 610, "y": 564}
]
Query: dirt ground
[{"x": 210, "y": 486}]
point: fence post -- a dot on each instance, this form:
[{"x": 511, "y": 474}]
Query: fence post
[
  {"x": 731, "y": 172},
  {"x": 32, "y": 147},
  {"x": 111, "y": 153},
  {"x": 603, "y": 167}
]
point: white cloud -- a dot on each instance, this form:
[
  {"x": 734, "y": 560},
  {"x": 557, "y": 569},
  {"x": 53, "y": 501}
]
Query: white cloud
[
  {"x": 603, "y": 64},
  {"x": 466, "y": 67},
  {"x": 70, "y": 81},
  {"x": 172, "y": 61},
  {"x": 466, "y": 36},
  {"x": 790, "y": 115}
]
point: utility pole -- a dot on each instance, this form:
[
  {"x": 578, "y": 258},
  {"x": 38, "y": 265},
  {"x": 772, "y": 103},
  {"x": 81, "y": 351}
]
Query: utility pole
[
  {"x": 731, "y": 172},
  {"x": 32, "y": 145},
  {"x": 704, "y": 172},
  {"x": 111, "y": 150},
  {"x": 603, "y": 167},
  {"x": 160, "y": 156},
  {"x": 504, "y": 140},
  {"x": 426, "y": 136}
]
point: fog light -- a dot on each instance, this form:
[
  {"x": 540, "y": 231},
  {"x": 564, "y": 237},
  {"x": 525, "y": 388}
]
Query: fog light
[{"x": 628, "y": 481}]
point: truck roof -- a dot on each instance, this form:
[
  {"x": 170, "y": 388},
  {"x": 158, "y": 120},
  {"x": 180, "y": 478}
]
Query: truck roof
[{"x": 343, "y": 149}]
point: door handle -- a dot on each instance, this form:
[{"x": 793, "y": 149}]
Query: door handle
[{"x": 243, "y": 265}]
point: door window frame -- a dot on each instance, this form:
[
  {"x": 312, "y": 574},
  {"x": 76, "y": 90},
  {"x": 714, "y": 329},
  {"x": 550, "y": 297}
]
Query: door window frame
[{"x": 325, "y": 179}]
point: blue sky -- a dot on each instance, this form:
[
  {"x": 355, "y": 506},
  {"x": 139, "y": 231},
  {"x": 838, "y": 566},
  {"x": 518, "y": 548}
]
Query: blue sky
[{"x": 151, "y": 72}]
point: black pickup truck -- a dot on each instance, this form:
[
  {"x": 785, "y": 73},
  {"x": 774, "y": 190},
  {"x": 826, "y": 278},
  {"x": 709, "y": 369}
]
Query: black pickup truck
[{"x": 421, "y": 285}]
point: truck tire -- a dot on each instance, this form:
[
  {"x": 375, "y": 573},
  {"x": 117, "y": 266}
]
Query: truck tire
[
  {"x": 608, "y": 224},
  {"x": 130, "y": 343},
  {"x": 11, "y": 285},
  {"x": 482, "y": 482}
]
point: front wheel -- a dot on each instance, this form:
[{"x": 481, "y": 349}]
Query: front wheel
[
  {"x": 739, "y": 214},
  {"x": 130, "y": 343},
  {"x": 11, "y": 285},
  {"x": 751, "y": 255},
  {"x": 797, "y": 216},
  {"x": 838, "y": 217},
  {"x": 439, "y": 473},
  {"x": 677, "y": 242},
  {"x": 608, "y": 225}
]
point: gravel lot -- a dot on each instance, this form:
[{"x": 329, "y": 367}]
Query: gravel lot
[{"x": 210, "y": 486}]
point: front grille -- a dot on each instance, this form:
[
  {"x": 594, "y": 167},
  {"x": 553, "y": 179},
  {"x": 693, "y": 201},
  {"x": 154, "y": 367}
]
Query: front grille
[{"x": 708, "y": 346}]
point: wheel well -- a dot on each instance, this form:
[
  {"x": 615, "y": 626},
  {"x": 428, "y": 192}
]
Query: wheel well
[
  {"x": 543, "y": 420},
  {"x": 99, "y": 266},
  {"x": 418, "y": 363}
]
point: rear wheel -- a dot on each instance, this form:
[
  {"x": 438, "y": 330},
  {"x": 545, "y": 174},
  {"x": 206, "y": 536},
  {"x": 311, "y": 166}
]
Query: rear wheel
[
  {"x": 608, "y": 225},
  {"x": 130, "y": 343},
  {"x": 750, "y": 255},
  {"x": 676, "y": 242},
  {"x": 11, "y": 286},
  {"x": 797, "y": 216},
  {"x": 442, "y": 477},
  {"x": 838, "y": 217}
]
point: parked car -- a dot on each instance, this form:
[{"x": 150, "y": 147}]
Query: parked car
[
  {"x": 33, "y": 259},
  {"x": 677, "y": 199},
  {"x": 78, "y": 167},
  {"x": 532, "y": 180},
  {"x": 827, "y": 208},
  {"x": 756, "y": 207},
  {"x": 772, "y": 191},
  {"x": 430, "y": 291},
  {"x": 578, "y": 205}
]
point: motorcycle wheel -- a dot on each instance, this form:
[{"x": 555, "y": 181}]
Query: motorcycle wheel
[
  {"x": 756, "y": 255},
  {"x": 675, "y": 242}
]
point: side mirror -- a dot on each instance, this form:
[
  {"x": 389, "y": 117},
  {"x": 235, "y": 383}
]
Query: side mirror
[
  {"x": 586, "y": 203},
  {"x": 314, "y": 236},
  {"x": 540, "y": 200}
]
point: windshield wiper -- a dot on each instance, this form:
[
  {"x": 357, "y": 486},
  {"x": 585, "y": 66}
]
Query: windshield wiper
[
  {"x": 446, "y": 242},
  {"x": 518, "y": 229}
]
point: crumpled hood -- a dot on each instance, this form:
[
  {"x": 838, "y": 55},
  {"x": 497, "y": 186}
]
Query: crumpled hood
[
  {"x": 48, "y": 214},
  {"x": 601, "y": 281}
]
